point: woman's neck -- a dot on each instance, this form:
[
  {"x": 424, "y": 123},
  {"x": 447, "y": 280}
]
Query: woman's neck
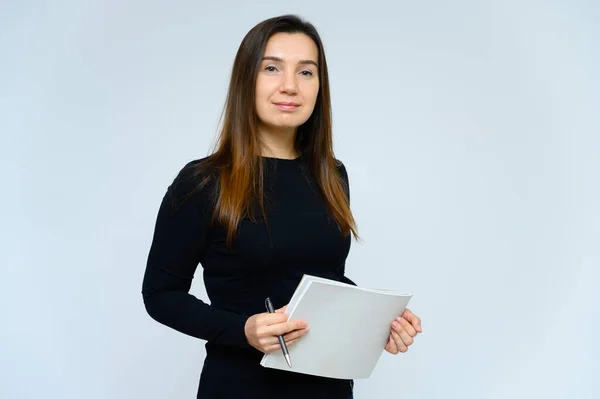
[{"x": 278, "y": 143}]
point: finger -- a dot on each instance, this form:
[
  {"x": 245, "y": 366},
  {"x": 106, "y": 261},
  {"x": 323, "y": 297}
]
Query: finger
[
  {"x": 412, "y": 319},
  {"x": 406, "y": 326},
  {"x": 392, "y": 345},
  {"x": 399, "y": 343},
  {"x": 283, "y": 328},
  {"x": 295, "y": 334},
  {"x": 272, "y": 343},
  {"x": 407, "y": 339},
  {"x": 272, "y": 339},
  {"x": 269, "y": 319},
  {"x": 387, "y": 346},
  {"x": 282, "y": 309},
  {"x": 402, "y": 333},
  {"x": 268, "y": 341}
]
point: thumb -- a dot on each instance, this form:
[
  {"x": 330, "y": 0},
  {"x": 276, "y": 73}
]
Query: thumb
[{"x": 282, "y": 309}]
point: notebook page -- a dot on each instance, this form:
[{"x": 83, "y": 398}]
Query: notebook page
[{"x": 349, "y": 328}]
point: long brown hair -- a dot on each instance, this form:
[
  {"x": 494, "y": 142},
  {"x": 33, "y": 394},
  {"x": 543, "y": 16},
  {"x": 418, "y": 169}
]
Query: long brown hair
[{"x": 237, "y": 157}]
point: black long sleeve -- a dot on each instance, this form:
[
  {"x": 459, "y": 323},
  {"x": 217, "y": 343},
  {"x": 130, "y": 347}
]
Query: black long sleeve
[
  {"x": 179, "y": 242},
  {"x": 268, "y": 259}
]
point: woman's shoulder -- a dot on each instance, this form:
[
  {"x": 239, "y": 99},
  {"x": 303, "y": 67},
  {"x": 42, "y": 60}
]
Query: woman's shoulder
[
  {"x": 341, "y": 168},
  {"x": 195, "y": 179},
  {"x": 194, "y": 168}
]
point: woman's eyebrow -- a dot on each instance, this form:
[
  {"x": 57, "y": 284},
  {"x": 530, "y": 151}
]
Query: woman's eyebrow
[{"x": 268, "y": 57}]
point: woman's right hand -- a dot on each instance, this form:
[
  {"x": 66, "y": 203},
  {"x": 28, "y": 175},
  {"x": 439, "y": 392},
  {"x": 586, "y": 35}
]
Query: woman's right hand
[{"x": 262, "y": 330}]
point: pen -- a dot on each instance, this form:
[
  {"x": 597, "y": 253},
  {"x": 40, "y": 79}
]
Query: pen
[{"x": 284, "y": 348}]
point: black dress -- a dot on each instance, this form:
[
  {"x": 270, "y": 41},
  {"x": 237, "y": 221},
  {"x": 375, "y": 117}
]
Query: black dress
[{"x": 301, "y": 239}]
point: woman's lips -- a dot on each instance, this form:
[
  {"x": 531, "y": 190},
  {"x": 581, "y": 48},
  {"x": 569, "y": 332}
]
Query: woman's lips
[{"x": 287, "y": 106}]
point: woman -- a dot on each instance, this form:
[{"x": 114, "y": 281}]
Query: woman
[{"x": 271, "y": 204}]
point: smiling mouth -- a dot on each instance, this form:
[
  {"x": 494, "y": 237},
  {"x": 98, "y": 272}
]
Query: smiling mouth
[{"x": 287, "y": 106}]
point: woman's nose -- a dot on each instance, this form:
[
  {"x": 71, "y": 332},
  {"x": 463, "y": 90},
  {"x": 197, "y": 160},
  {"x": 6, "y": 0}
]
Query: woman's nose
[{"x": 288, "y": 83}]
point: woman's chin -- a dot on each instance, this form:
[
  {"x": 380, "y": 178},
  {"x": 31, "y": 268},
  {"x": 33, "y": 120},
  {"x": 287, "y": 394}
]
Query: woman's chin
[{"x": 284, "y": 125}]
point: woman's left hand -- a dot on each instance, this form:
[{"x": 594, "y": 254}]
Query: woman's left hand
[{"x": 403, "y": 331}]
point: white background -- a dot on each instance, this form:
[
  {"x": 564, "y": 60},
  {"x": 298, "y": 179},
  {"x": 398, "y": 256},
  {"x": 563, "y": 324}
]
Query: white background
[{"x": 469, "y": 132}]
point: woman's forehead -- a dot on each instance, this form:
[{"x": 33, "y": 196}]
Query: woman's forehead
[{"x": 291, "y": 47}]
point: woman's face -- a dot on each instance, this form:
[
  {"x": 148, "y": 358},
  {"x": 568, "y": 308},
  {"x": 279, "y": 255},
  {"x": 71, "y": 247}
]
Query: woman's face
[{"x": 288, "y": 82}]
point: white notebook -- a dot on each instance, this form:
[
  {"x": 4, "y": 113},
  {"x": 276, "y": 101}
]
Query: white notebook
[{"x": 349, "y": 328}]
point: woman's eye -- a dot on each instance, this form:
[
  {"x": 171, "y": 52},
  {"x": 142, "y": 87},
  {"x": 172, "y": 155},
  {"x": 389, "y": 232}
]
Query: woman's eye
[
  {"x": 306, "y": 73},
  {"x": 270, "y": 69}
]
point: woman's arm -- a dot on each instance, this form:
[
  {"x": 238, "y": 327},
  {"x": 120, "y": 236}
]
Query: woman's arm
[
  {"x": 178, "y": 244},
  {"x": 345, "y": 279},
  {"x": 344, "y": 174}
]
